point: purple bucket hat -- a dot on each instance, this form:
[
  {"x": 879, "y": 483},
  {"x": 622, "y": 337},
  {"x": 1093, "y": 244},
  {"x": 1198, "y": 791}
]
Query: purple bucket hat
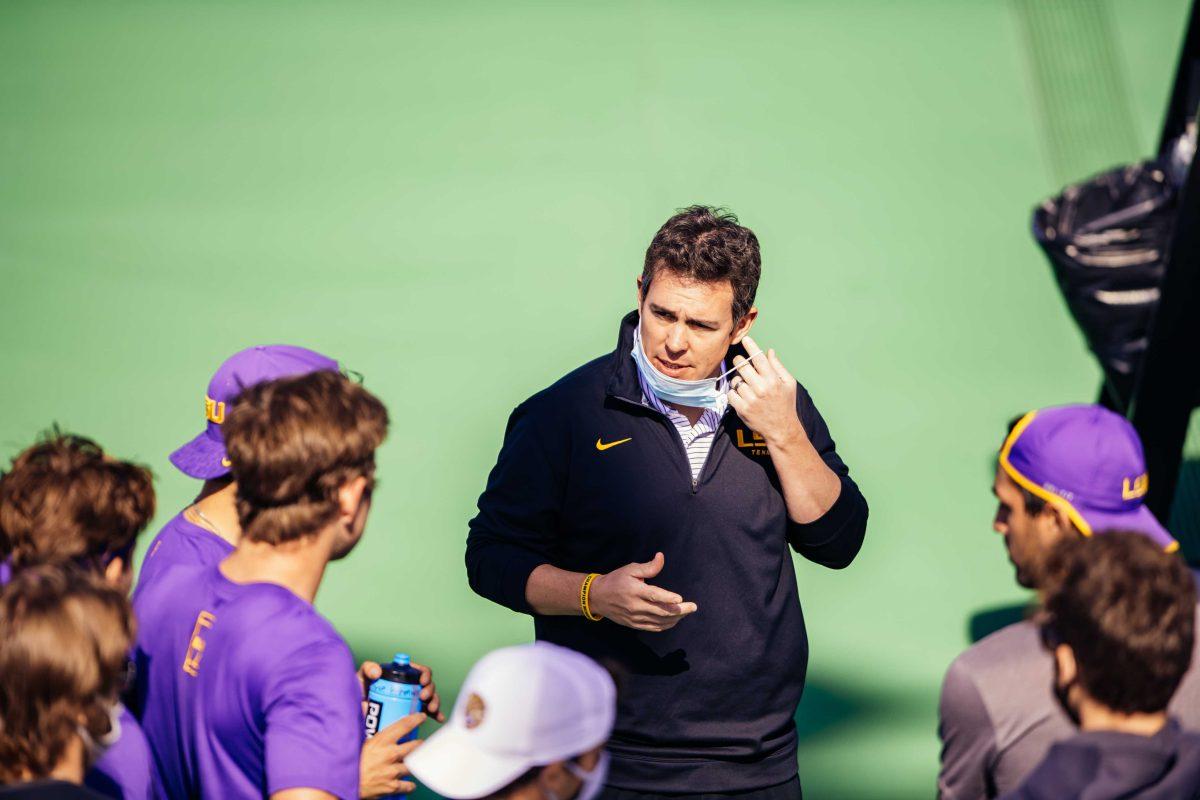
[
  {"x": 1088, "y": 461},
  {"x": 204, "y": 456}
]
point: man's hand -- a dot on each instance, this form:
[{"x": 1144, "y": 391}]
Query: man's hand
[
  {"x": 370, "y": 671},
  {"x": 381, "y": 768},
  {"x": 624, "y": 597},
  {"x": 763, "y": 393}
]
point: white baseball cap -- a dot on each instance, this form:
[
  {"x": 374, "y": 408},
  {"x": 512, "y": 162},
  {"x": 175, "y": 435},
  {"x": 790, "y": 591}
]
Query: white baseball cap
[{"x": 520, "y": 707}]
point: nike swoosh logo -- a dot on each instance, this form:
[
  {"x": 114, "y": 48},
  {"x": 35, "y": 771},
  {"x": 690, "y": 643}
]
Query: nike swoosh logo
[{"x": 602, "y": 446}]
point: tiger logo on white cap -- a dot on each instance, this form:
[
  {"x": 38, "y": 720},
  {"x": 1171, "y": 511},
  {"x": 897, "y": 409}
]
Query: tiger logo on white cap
[{"x": 474, "y": 711}]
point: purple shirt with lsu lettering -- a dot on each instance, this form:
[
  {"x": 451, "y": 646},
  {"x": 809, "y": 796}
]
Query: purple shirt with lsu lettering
[
  {"x": 243, "y": 690},
  {"x": 180, "y": 542}
]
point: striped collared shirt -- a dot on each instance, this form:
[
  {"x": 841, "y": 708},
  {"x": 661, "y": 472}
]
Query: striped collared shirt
[{"x": 697, "y": 439}]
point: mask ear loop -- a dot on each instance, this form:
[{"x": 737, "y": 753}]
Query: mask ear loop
[{"x": 735, "y": 369}]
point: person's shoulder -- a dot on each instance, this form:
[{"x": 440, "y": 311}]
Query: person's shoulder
[
  {"x": 1068, "y": 768},
  {"x": 284, "y": 617},
  {"x": 181, "y": 541},
  {"x": 159, "y": 598},
  {"x": 588, "y": 379},
  {"x": 124, "y": 770},
  {"x": 1010, "y": 647},
  {"x": 1000, "y": 670}
]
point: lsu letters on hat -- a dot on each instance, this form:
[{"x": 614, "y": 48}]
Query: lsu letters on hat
[
  {"x": 204, "y": 456},
  {"x": 1088, "y": 461}
]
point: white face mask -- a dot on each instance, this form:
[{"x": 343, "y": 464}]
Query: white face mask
[
  {"x": 707, "y": 393},
  {"x": 593, "y": 781},
  {"x": 94, "y": 749}
]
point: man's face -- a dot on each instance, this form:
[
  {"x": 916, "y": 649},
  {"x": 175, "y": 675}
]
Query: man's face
[
  {"x": 687, "y": 326},
  {"x": 1029, "y": 538}
]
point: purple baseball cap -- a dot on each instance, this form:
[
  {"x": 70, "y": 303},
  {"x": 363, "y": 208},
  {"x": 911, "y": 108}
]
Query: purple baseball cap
[
  {"x": 1088, "y": 461},
  {"x": 204, "y": 456}
]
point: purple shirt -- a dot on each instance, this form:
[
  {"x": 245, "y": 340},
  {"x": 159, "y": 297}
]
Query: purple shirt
[
  {"x": 180, "y": 542},
  {"x": 243, "y": 689},
  {"x": 123, "y": 771}
]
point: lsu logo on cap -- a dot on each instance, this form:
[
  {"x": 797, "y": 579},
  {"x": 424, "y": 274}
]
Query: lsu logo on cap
[
  {"x": 1139, "y": 487},
  {"x": 214, "y": 411},
  {"x": 474, "y": 711}
]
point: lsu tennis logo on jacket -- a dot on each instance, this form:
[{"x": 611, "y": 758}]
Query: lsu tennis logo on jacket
[
  {"x": 751, "y": 441},
  {"x": 1139, "y": 487},
  {"x": 196, "y": 644}
]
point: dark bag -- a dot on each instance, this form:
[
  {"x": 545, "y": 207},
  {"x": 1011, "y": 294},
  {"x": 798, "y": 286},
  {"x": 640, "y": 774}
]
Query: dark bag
[{"x": 1106, "y": 239}]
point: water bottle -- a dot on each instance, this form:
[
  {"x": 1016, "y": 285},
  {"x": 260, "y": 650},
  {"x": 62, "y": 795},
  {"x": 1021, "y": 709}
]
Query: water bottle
[{"x": 395, "y": 694}]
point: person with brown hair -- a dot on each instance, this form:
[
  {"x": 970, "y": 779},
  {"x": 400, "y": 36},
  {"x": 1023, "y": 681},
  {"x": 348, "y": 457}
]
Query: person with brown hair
[
  {"x": 64, "y": 501},
  {"x": 243, "y": 688},
  {"x": 1120, "y": 623},
  {"x": 645, "y": 508},
  {"x": 1062, "y": 473},
  {"x": 65, "y": 636},
  {"x": 207, "y": 530}
]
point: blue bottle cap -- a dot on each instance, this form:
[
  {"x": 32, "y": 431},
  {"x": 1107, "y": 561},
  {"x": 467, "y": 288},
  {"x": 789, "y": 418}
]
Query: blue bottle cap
[{"x": 401, "y": 659}]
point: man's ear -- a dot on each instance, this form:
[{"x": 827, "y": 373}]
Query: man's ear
[
  {"x": 1065, "y": 668},
  {"x": 743, "y": 325},
  {"x": 350, "y": 496},
  {"x": 638, "y": 300},
  {"x": 1058, "y": 515},
  {"x": 116, "y": 573}
]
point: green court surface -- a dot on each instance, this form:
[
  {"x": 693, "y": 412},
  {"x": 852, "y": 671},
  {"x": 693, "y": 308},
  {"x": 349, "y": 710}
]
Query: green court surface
[{"x": 454, "y": 199}]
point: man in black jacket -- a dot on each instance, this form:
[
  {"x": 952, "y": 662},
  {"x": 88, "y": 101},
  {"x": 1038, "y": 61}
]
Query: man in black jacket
[{"x": 648, "y": 464}]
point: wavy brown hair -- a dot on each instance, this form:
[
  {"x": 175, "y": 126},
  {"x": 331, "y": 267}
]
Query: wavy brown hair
[
  {"x": 63, "y": 500},
  {"x": 64, "y": 642},
  {"x": 1128, "y": 611},
  {"x": 706, "y": 244},
  {"x": 293, "y": 443}
]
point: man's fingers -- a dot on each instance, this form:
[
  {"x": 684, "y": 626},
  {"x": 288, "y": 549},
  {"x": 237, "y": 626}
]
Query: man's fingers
[
  {"x": 746, "y": 371},
  {"x": 426, "y": 672},
  {"x": 401, "y": 727},
  {"x": 737, "y": 402},
  {"x": 654, "y": 612},
  {"x": 368, "y": 673},
  {"x": 657, "y": 594},
  {"x": 650, "y": 568},
  {"x": 780, "y": 369},
  {"x": 405, "y": 787},
  {"x": 760, "y": 360},
  {"x": 402, "y": 750}
]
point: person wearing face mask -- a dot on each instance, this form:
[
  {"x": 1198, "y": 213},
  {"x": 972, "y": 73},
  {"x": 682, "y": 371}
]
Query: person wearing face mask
[
  {"x": 1120, "y": 626},
  {"x": 642, "y": 509},
  {"x": 64, "y": 501},
  {"x": 64, "y": 643},
  {"x": 1062, "y": 474},
  {"x": 244, "y": 690},
  {"x": 530, "y": 723}
]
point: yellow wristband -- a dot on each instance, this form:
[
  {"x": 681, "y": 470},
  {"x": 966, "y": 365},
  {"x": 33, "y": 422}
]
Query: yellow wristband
[{"x": 584, "y": 591}]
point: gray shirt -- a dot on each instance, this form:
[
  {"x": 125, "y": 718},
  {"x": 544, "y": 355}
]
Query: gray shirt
[{"x": 998, "y": 716}]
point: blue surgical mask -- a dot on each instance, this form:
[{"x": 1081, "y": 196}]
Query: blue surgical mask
[{"x": 707, "y": 393}]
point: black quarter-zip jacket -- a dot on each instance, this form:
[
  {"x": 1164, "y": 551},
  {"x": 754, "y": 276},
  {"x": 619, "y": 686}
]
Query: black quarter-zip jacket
[{"x": 708, "y": 705}]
